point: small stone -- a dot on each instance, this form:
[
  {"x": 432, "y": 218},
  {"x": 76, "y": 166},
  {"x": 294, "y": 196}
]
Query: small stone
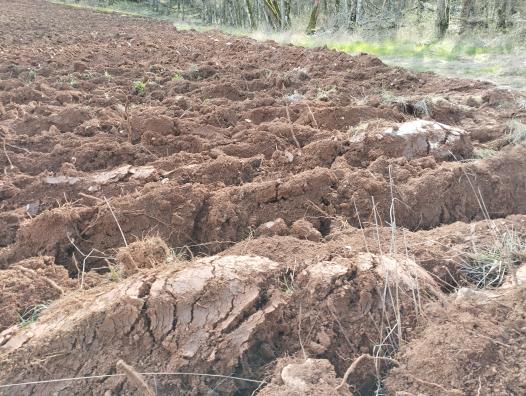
[{"x": 270, "y": 228}]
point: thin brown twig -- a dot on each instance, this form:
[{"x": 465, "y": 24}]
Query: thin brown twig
[
  {"x": 135, "y": 378},
  {"x": 84, "y": 268},
  {"x": 299, "y": 335},
  {"x": 355, "y": 364},
  {"x": 292, "y": 128},
  {"x": 361, "y": 226},
  {"x": 116, "y": 221},
  {"x": 19, "y": 148},
  {"x": 31, "y": 272},
  {"x": 128, "y": 120},
  {"x": 341, "y": 326},
  {"x": 433, "y": 384},
  {"x": 312, "y": 115},
  {"x": 7, "y": 156},
  {"x": 123, "y": 375},
  {"x": 90, "y": 196}
]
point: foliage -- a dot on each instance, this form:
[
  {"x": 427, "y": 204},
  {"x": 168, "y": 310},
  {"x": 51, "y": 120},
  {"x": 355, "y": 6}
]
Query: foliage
[
  {"x": 176, "y": 77},
  {"x": 31, "y": 75},
  {"x": 139, "y": 87}
]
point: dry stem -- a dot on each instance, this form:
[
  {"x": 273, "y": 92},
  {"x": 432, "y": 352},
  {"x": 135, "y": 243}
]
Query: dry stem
[
  {"x": 292, "y": 128},
  {"x": 116, "y": 221},
  {"x": 128, "y": 120},
  {"x": 312, "y": 115},
  {"x": 135, "y": 378},
  {"x": 355, "y": 364},
  {"x": 11, "y": 166}
]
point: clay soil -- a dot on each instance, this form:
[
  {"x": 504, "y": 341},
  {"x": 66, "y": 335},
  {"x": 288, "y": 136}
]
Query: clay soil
[{"x": 200, "y": 203}]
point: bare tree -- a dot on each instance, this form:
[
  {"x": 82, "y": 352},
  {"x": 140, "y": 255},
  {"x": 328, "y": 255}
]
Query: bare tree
[
  {"x": 504, "y": 8},
  {"x": 442, "y": 18},
  {"x": 250, "y": 14},
  {"x": 313, "y": 20},
  {"x": 468, "y": 8}
]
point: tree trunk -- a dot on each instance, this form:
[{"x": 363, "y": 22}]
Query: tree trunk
[
  {"x": 313, "y": 20},
  {"x": 250, "y": 13},
  {"x": 504, "y": 14},
  {"x": 352, "y": 13},
  {"x": 359, "y": 11},
  {"x": 419, "y": 7},
  {"x": 283, "y": 21},
  {"x": 468, "y": 8},
  {"x": 442, "y": 18},
  {"x": 273, "y": 12}
]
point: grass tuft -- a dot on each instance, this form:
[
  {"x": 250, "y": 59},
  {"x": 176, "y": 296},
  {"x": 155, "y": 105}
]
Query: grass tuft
[
  {"x": 177, "y": 77},
  {"x": 517, "y": 132},
  {"x": 483, "y": 153},
  {"x": 31, "y": 315},
  {"x": 139, "y": 87},
  {"x": 488, "y": 266}
]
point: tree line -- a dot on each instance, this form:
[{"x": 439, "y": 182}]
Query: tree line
[{"x": 349, "y": 15}]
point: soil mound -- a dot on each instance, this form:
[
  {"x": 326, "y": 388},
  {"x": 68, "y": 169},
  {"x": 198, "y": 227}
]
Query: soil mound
[
  {"x": 215, "y": 315},
  {"x": 29, "y": 286},
  {"x": 478, "y": 338}
]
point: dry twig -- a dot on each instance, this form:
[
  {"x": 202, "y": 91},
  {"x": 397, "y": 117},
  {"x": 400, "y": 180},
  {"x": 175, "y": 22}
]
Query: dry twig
[
  {"x": 135, "y": 378},
  {"x": 355, "y": 364},
  {"x": 116, "y": 221},
  {"x": 292, "y": 128}
]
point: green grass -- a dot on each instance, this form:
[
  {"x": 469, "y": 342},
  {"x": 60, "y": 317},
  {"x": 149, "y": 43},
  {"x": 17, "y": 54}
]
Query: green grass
[
  {"x": 139, "y": 87},
  {"x": 483, "y": 153},
  {"x": 115, "y": 273},
  {"x": 31, "y": 315},
  {"x": 177, "y": 77},
  {"x": 444, "y": 50},
  {"x": 31, "y": 75},
  {"x": 72, "y": 81}
]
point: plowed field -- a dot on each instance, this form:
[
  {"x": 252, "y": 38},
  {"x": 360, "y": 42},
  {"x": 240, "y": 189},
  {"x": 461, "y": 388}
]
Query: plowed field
[{"x": 197, "y": 203}]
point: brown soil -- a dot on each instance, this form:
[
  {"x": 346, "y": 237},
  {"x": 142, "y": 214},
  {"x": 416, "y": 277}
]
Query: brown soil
[
  {"x": 311, "y": 185},
  {"x": 480, "y": 336}
]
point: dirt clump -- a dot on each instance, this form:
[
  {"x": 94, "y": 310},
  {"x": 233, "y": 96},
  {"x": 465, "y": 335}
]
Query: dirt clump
[
  {"x": 217, "y": 314},
  {"x": 478, "y": 340},
  {"x": 147, "y": 253},
  {"x": 310, "y": 377},
  {"x": 303, "y": 229},
  {"x": 29, "y": 285},
  {"x": 275, "y": 227}
]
